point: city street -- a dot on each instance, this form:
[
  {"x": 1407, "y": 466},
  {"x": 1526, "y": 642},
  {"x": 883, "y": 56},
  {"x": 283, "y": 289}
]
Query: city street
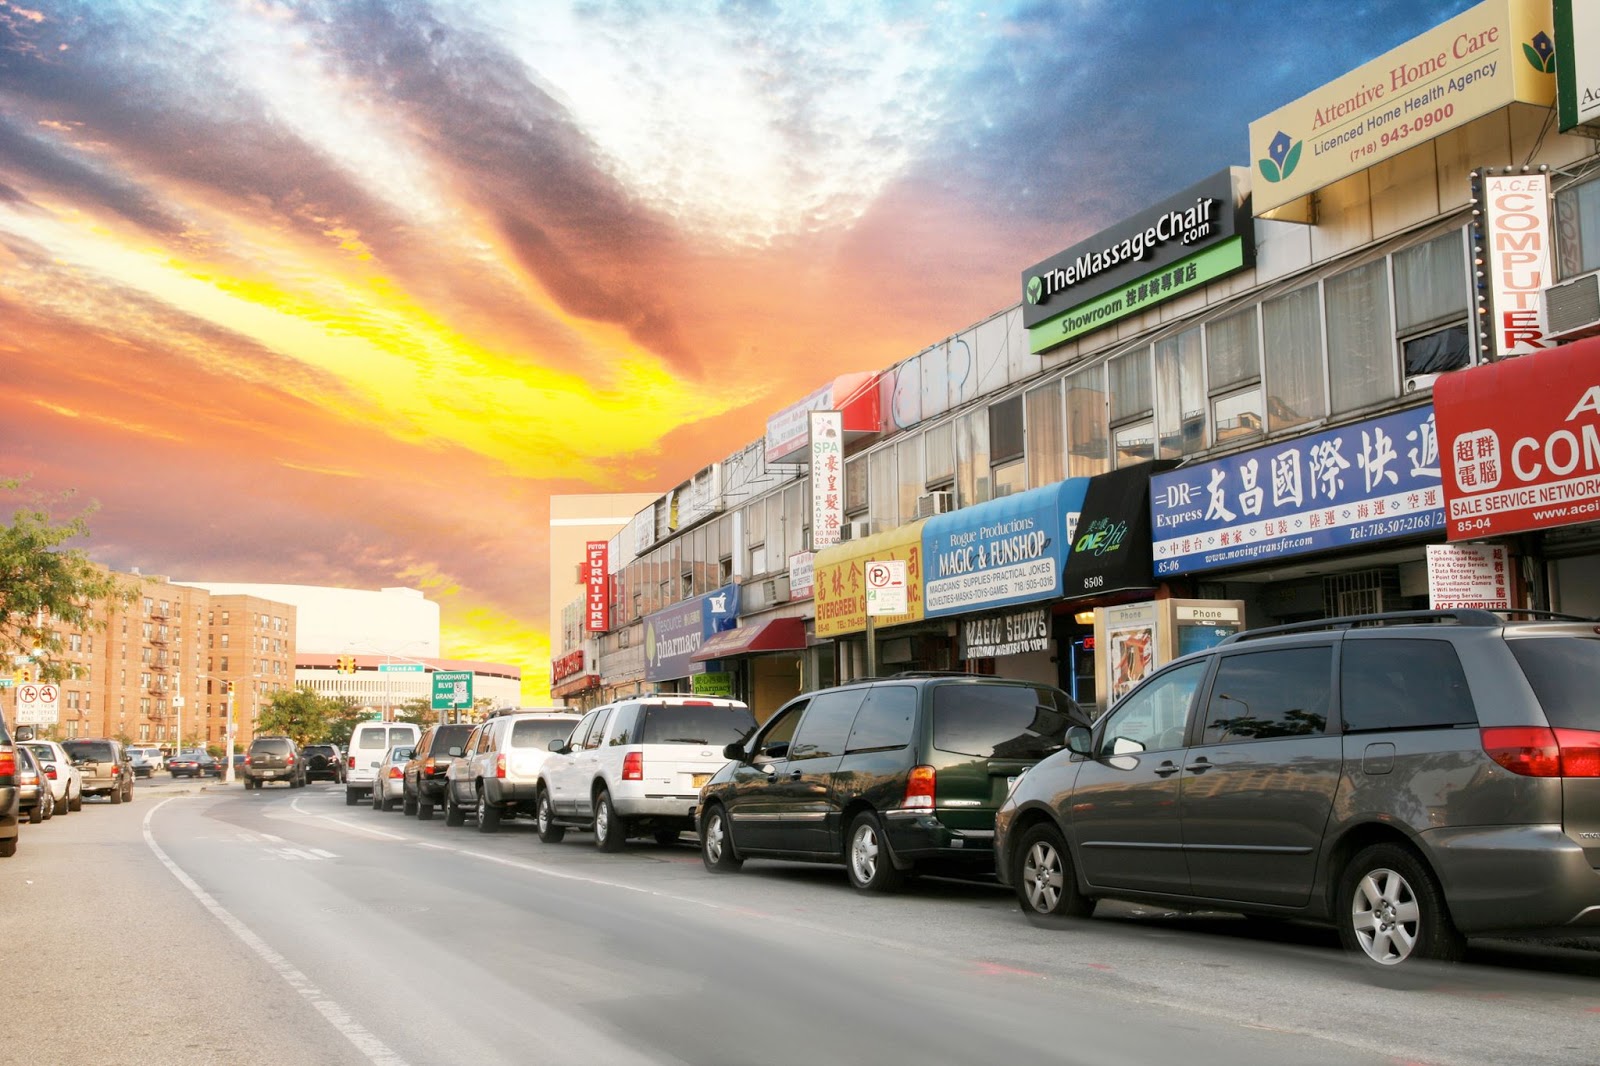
[{"x": 203, "y": 925}]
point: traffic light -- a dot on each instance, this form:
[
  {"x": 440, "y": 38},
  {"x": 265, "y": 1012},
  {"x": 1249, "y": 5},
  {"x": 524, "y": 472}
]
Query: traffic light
[
  {"x": 227, "y": 688},
  {"x": 347, "y": 664},
  {"x": 20, "y": 675}
]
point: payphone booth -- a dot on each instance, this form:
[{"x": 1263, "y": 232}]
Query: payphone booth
[{"x": 1133, "y": 640}]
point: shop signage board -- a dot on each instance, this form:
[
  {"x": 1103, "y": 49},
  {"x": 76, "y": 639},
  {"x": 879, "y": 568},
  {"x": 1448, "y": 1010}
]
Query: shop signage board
[
  {"x": 1013, "y": 633},
  {"x": 886, "y": 587},
  {"x": 1483, "y": 59},
  {"x": 840, "y": 586},
  {"x": 802, "y": 572},
  {"x": 1578, "y": 65},
  {"x": 1468, "y": 575},
  {"x": 566, "y": 666},
  {"x": 1111, "y": 547},
  {"x": 38, "y": 704},
  {"x": 1521, "y": 443},
  {"x": 712, "y": 683},
  {"x": 1178, "y": 245},
  {"x": 854, "y": 396},
  {"x": 672, "y": 635},
  {"x": 827, "y": 477},
  {"x": 1006, "y": 551},
  {"x": 597, "y": 586},
  {"x": 1359, "y": 484},
  {"x": 1516, "y": 246}
]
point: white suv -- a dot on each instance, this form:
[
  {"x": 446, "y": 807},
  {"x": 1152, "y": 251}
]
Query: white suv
[
  {"x": 636, "y": 766},
  {"x": 498, "y": 774},
  {"x": 369, "y": 742}
]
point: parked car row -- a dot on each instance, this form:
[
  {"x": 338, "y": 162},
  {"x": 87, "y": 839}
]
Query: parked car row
[
  {"x": 1411, "y": 779},
  {"x": 40, "y": 779}
]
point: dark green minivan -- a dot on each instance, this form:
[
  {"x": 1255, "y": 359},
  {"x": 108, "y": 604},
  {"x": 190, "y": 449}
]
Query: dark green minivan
[{"x": 888, "y": 776}]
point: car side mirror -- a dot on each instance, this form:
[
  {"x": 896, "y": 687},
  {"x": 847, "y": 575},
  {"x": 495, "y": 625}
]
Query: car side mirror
[
  {"x": 1079, "y": 741},
  {"x": 559, "y": 747},
  {"x": 454, "y": 752},
  {"x": 734, "y": 751}
]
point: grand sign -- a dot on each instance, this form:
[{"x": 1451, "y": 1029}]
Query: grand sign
[
  {"x": 1201, "y": 234},
  {"x": 1521, "y": 442}
]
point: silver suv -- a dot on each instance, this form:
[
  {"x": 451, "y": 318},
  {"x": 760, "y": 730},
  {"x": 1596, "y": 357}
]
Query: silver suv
[
  {"x": 106, "y": 766},
  {"x": 637, "y": 766},
  {"x": 1410, "y": 778},
  {"x": 498, "y": 776}
]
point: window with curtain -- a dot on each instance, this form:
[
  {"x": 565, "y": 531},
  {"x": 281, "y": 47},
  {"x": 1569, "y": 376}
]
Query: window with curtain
[
  {"x": 908, "y": 458},
  {"x": 939, "y": 451},
  {"x": 796, "y": 511},
  {"x": 1578, "y": 228},
  {"x": 883, "y": 490},
  {"x": 972, "y": 457},
  {"x": 1130, "y": 384},
  {"x": 855, "y": 485},
  {"x": 1233, "y": 373},
  {"x": 1046, "y": 438},
  {"x": 1180, "y": 395},
  {"x": 1292, "y": 338},
  {"x": 1360, "y": 338},
  {"x": 1431, "y": 300},
  {"x": 1087, "y": 433}
]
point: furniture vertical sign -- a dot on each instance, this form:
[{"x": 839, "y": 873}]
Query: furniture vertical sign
[
  {"x": 597, "y": 613},
  {"x": 827, "y": 477}
]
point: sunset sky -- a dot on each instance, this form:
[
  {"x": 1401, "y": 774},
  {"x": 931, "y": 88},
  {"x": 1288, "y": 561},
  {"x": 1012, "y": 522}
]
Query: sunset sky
[{"x": 341, "y": 292}]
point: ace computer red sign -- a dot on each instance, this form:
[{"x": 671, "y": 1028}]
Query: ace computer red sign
[{"x": 1520, "y": 442}]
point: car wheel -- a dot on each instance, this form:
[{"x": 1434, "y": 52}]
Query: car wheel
[
  {"x": 408, "y": 802},
  {"x": 488, "y": 816},
  {"x": 376, "y": 798},
  {"x": 1391, "y": 909},
  {"x": 609, "y": 832},
  {"x": 1044, "y": 878},
  {"x": 36, "y": 814},
  {"x": 866, "y": 856},
  {"x": 716, "y": 842},
  {"x": 352, "y": 797},
  {"x": 424, "y": 807},
  {"x": 387, "y": 803},
  {"x": 549, "y": 831},
  {"x": 76, "y": 802},
  {"x": 453, "y": 814},
  {"x": 49, "y": 802},
  {"x": 62, "y": 806},
  {"x": 8, "y": 848},
  {"x": 116, "y": 795}
]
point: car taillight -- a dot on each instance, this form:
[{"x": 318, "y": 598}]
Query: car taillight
[
  {"x": 1536, "y": 751},
  {"x": 115, "y": 770},
  {"x": 919, "y": 789},
  {"x": 50, "y": 770},
  {"x": 633, "y": 766},
  {"x": 247, "y": 760},
  {"x": 500, "y": 765},
  {"x": 289, "y": 761},
  {"x": 352, "y": 762},
  {"x": 8, "y": 764},
  {"x": 396, "y": 773},
  {"x": 427, "y": 765}
]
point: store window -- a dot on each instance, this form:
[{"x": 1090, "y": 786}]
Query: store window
[
  {"x": 1133, "y": 427},
  {"x": 1360, "y": 355},
  {"x": 1578, "y": 229},
  {"x": 1047, "y": 444},
  {"x": 972, "y": 458},
  {"x": 1007, "y": 449},
  {"x": 1180, "y": 395},
  {"x": 1293, "y": 343},
  {"x": 1087, "y": 433}
]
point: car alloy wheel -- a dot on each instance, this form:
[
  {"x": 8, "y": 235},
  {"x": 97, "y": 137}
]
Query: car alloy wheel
[
  {"x": 716, "y": 844},
  {"x": 1396, "y": 909},
  {"x": 549, "y": 831},
  {"x": 1044, "y": 879},
  {"x": 488, "y": 815},
  {"x": 867, "y": 857},
  {"x": 609, "y": 834}
]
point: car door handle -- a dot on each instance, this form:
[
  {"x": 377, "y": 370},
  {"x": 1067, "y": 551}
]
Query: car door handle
[
  {"x": 1166, "y": 769},
  {"x": 1199, "y": 766}
]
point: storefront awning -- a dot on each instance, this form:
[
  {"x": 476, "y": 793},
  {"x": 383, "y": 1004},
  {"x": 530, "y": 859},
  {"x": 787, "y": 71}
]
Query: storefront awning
[
  {"x": 773, "y": 634},
  {"x": 1111, "y": 548}
]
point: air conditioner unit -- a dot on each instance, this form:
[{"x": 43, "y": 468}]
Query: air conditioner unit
[
  {"x": 932, "y": 503},
  {"x": 1420, "y": 383},
  {"x": 775, "y": 590},
  {"x": 855, "y": 530},
  {"x": 1572, "y": 309}
]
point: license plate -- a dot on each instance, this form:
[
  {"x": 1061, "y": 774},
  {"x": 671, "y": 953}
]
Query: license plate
[{"x": 701, "y": 779}]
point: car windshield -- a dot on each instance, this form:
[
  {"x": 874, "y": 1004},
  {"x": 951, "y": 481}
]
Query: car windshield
[
  {"x": 539, "y": 732},
  {"x": 42, "y": 751},
  {"x": 450, "y": 736},
  {"x": 96, "y": 750},
  {"x": 676, "y": 723},
  {"x": 1563, "y": 672},
  {"x": 1001, "y": 721},
  {"x": 375, "y": 738}
]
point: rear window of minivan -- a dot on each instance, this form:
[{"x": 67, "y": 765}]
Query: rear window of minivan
[
  {"x": 675, "y": 723},
  {"x": 382, "y": 739},
  {"x": 275, "y": 745},
  {"x": 97, "y": 750},
  {"x": 1001, "y": 721},
  {"x": 1564, "y": 672},
  {"x": 539, "y": 732}
]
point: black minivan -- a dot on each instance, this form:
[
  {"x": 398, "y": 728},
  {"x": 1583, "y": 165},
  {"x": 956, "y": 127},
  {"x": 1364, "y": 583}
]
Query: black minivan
[{"x": 888, "y": 776}]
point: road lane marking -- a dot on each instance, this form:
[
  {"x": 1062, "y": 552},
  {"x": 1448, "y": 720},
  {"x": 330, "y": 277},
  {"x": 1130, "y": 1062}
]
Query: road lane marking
[
  {"x": 376, "y": 1051},
  {"x": 349, "y": 825}
]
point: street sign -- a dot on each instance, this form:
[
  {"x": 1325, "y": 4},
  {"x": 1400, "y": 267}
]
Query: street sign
[
  {"x": 886, "y": 586},
  {"x": 38, "y": 704},
  {"x": 6, "y": 682},
  {"x": 401, "y": 668},
  {"x": 374, "y": 716},
  {"x": 452, "y": 689}
]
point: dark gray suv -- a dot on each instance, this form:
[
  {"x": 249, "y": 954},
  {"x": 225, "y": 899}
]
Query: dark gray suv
[{"x": 1411, "y": 778}]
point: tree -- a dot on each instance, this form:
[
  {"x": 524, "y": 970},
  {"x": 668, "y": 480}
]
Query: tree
[
  {"x": 299, "y": 713},
  {"x": 418, "y": 710},
  {"x": 343, "y": 714},
  {"x": 45, "y": 586}
]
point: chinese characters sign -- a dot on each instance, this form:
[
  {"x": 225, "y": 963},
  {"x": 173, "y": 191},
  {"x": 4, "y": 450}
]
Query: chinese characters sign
[
  {"x": 1366, "y": 482},
  {"x": 597, "y": 583},
  {"x": 840, "y": 584},
  {"x": 1468, "y": 575},
  {"x": 827, "y": 477}
]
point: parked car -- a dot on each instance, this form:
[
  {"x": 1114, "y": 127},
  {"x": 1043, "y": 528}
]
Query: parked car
[
  {"x": 152, "y": 756},
  {"x": 498, "y": 776},
  {"x": 193, "y": 762},
  {"x": 140, "y": 763},
  {"x": 323, "y": 762},
  {"x": 66, "y": 782},
  {"x": 105, "y": 766},
  {"x": 636, "y": 767},
  {"x": 889, "y": 777},
  {"x": 1411, "y": 778},
  {"x": 274, "y": 759},
  {"x": 388, "y": 784},
  {"x": 368, "y": 743},
  {"x": 33, "y": 791},
  {"x": 430, "y": 760},
  {"x": 10, "y": 816}
]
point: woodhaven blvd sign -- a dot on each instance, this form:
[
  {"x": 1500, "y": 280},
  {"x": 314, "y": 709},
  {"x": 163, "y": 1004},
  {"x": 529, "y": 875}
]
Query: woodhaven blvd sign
[{"x": 1016, "y": 633}]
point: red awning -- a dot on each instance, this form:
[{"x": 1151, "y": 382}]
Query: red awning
[{"x": 774, "y": 634}]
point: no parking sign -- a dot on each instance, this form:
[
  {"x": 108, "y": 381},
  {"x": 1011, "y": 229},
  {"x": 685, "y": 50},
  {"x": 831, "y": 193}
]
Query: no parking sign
[
  {"x": 886, "y": 586},
  {"x": 38, "y": 704}
]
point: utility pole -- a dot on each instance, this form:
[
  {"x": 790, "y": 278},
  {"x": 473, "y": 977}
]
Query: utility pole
[{"x": 227, "y": 748}]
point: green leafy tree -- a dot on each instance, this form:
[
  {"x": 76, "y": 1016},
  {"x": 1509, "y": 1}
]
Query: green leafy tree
[
  {"x": 46, "y": 586},
  {"x": 343, "y": 714},
  {"x": 418, "y": 710},
  {"x": 298, "y": 713}
]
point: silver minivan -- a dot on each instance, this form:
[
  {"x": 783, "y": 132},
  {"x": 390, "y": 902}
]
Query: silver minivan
[
  {"x": 369, "y": 742},
  {"x": 1413, "y": 779}
]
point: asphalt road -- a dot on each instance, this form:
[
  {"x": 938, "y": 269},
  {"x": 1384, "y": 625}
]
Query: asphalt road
[{"x": 204, "y": 925}]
